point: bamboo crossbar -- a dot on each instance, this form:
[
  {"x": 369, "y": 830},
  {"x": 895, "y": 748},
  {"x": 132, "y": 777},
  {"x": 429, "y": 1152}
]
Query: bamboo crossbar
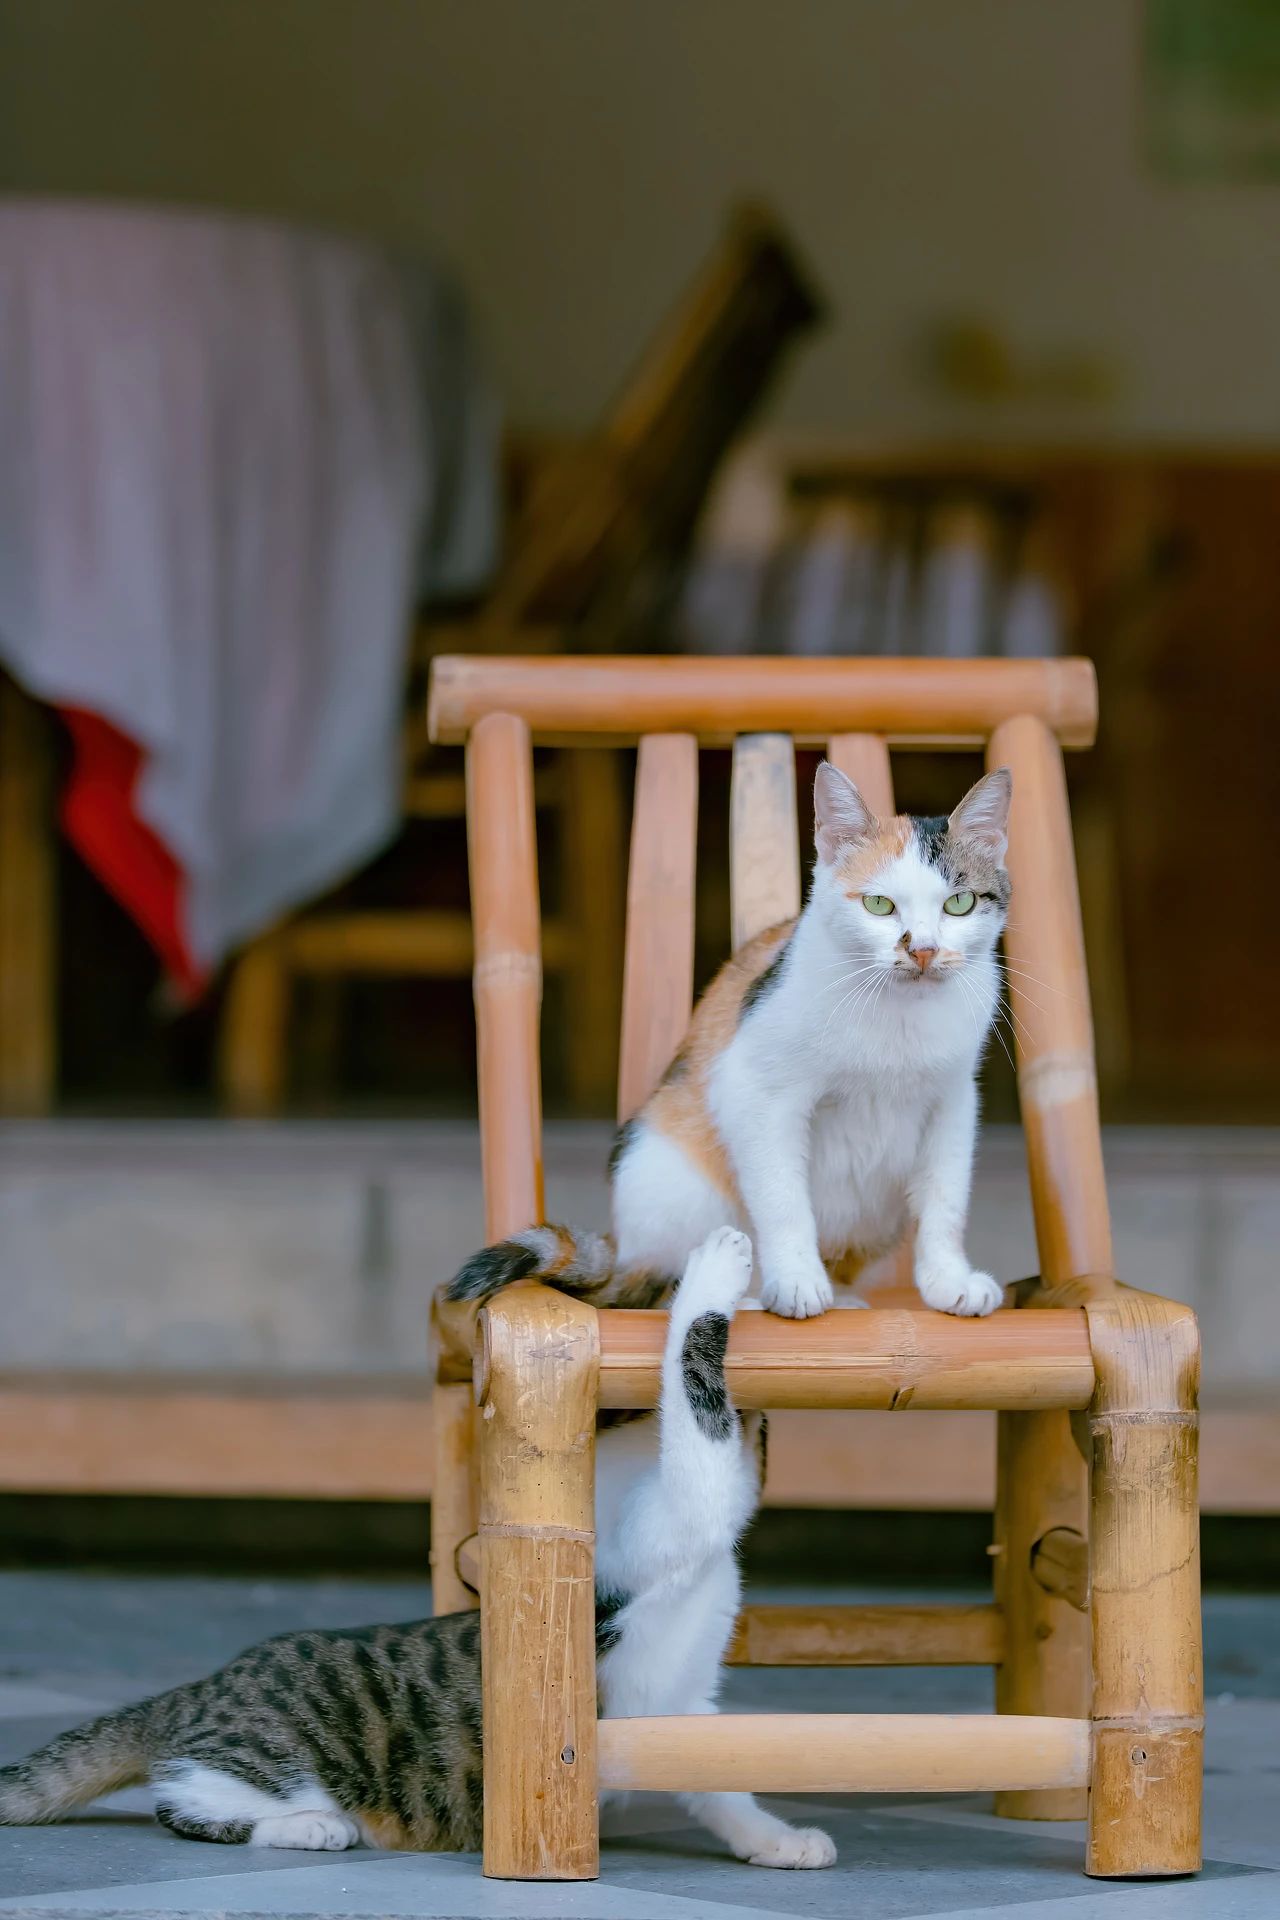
[
  {"x": 910, "y": 702},
  {"x": 885, "y": 1357},
  {"x": 842, "y": 1753},
  {"x": 867, "y": 1636}
]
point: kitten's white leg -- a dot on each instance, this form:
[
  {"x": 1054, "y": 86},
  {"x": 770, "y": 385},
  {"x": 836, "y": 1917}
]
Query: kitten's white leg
[
  {"x": 206, "y": 1802},
  {"x": 702, "y": 1492},
  {"x": 939, "y": 1196},
  {"x": 766, "y": 1128},
  {"x": 310, "y": 1832},
  {"x": 756, "y": 1835}
]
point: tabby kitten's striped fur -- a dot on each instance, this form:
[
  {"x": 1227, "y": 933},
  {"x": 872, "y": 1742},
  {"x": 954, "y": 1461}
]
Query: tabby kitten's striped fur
[{"x": 319, "y": 1740}]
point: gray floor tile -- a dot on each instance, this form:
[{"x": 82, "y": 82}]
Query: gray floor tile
[{"x": 75, "y": 1644}]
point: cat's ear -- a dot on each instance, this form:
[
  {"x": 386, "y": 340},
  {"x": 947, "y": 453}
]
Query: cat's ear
[
  {"x": 840, "y": 814},
  {"x": 983, "y": 815}
]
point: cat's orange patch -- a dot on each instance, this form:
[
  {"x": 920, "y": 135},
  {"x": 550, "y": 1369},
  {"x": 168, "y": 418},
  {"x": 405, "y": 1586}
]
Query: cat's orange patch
[
  {"x": 866, "y": 858},
  {"x": 679, "y": 1107}
]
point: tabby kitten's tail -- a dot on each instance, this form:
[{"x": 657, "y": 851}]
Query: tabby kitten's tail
[
  {"x": 583, "y": 1264},
  {"x": 75, "y": 1768}
]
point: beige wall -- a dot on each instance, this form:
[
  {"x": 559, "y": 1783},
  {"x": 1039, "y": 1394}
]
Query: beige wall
[{"x": 573, "y": 156}]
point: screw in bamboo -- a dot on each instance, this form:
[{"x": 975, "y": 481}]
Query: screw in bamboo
[
  {"x": 1148, "y": 1682},
  {"x": 537, "y": 1607},
  {"x": 764, "y": 839},
  {"x": 1041, "y": 1478},
  {"x": 658, "y": 973}
]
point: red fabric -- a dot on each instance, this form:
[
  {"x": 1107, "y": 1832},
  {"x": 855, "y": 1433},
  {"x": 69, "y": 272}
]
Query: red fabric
[{"x": 99, "y": 819}]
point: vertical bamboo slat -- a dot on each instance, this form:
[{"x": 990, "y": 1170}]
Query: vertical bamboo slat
[
  {"x": 764, "y": 840},
  {"x": 1148, "y": 1683},
  {"x": 864, "y": 758},
  {"x": 658, "y": 978},
  {"x": 508, "y": 971},
  {"x": 537, "y": 1520},
  {"x": 1041, "y": 1475}
]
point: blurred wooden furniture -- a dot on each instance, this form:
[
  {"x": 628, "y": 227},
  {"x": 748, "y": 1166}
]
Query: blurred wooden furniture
[
  {"x": 594, "y": 555},
  {"x": 1084, "y": 1368},
  {"x": 28, "y": 966}
]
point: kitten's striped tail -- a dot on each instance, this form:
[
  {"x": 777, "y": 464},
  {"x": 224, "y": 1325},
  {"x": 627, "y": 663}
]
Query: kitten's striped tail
[
  {"x": 75, "y": 1768},
  {"x": 583, "y": 1264}
]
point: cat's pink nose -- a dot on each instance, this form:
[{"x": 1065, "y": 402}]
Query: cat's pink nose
[{"x": 922, "y": 956}]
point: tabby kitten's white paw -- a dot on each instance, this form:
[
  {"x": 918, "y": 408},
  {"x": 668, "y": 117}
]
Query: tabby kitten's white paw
[
  {"x": 309, "y": 1832},
  {"x": 797, "y": 1847},
  {"x": 960, "y": 1289}
]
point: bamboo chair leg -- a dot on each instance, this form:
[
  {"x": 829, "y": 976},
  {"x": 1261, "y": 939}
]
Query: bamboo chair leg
[
  {"x": 454, "y": 1493},
  {"x": 1041, "y": 1490},
  {"x": 540, "y": 1374},
  {"x": 1148, "y": 1681}
]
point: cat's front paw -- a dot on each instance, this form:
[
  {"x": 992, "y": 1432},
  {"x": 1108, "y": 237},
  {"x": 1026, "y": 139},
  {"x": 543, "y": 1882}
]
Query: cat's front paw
[
  {"x": 960, "y": 1289},
  {"x": 796, "y": 1285},
  {"x": 797, "y": 1847}
]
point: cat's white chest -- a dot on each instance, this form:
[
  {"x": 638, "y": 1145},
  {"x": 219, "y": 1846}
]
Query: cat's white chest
[{"x": 863, "y": 1148}]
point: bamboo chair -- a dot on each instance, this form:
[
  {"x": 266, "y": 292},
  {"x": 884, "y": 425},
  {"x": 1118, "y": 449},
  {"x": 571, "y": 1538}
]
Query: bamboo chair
[
  {"x": 600, "y": 529},
  {"x": 1094, "y": 1633}
]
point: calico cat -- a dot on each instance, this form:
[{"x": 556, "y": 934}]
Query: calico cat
[
  {"x": 317, "y": 1740},
  {"x": 825, "y": 1093}
]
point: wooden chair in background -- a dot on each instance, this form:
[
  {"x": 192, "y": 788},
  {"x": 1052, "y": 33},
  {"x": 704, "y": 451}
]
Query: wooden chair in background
[
  {"x": 595, "y": 553},
  {"x": 1095, "y": 1629}
]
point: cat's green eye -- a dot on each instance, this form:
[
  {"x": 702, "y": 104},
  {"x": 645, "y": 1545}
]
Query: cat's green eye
[
  {"x": 877, "y": 903},
  {"x": 960, "y": 903}
]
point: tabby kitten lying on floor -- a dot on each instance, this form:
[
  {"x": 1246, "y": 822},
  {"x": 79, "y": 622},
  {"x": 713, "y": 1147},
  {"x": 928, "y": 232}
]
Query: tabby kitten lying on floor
[
  {"x": 825, "y": 1093},
  {"x": 318, "y": 1740}
]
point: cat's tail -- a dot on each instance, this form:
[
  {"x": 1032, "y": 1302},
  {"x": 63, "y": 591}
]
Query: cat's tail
[
  {"x": 583, "y": 1264},
  {"x": 75, "y": 1768}
]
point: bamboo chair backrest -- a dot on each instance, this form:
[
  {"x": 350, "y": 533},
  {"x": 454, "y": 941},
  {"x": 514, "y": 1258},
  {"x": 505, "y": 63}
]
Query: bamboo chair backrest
[
  {"x": 1023, "y": 713},
  {"x": 618, "y": 510}
]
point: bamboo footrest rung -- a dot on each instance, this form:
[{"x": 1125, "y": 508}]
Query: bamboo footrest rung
[
  {"x": 884, "y": 1357},
  {"x": 842, "y": 1753},
  {"x": 862, "y": 1636}
]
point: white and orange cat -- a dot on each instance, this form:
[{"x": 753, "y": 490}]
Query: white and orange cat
[{"x": 825, "y": 1096}]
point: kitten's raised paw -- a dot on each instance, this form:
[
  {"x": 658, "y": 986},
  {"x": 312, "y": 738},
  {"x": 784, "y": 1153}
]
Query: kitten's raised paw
[
  {"x": 716, "y": 1275},
  {"x": 798, "y": 1289},
  {"x": 308, "y": 1832},
  {"x": 797, "y": 1847},
  {"x": 961, "y": 1290}
]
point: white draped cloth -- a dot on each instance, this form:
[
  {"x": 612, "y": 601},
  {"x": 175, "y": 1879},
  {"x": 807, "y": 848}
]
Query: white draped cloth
[{"x": 232, "y": 457}]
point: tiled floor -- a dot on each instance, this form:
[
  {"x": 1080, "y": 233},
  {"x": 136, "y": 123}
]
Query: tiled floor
[{"x": 71, "y": 1645}]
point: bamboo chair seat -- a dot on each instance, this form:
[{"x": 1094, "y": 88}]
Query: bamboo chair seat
[{"x": 1094, "y": 1630}]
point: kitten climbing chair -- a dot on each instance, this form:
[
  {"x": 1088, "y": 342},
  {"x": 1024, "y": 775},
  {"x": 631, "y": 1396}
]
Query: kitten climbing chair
[{"x": 1094, "y": 1633}]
